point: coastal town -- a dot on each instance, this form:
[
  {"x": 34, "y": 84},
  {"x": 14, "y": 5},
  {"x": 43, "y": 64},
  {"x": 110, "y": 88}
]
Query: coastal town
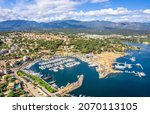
[{"x": 20, "y": 50}]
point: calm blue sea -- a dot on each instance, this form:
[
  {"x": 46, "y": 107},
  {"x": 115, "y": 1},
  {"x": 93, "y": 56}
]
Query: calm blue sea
[{"x": 115, "y": 85}]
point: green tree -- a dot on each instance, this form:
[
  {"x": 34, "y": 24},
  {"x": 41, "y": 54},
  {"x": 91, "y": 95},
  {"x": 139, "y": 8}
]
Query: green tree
[
  {"x": 11, "y": 94},
  {"x": 1, "y": 42}
]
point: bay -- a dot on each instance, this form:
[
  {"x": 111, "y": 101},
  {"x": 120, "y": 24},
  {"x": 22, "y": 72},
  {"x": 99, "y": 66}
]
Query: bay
[{"x": 115, "y": 85}]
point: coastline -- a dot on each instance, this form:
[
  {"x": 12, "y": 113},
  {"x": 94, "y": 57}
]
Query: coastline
[{"x": 103, "y": 61}]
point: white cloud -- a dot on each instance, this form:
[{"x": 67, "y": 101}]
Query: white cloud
[
  {"x": 118, "y": 14},
  {"x": 51, "y": 10},
  {"x": 98, "y": 1},
  {"x": 103, "y": 12},
  {"x": 147, "y": 11},
  {"x": 45, "y": 7},
  {"x": 6, "y": 14},
  {"x": 110, "y": 11}
]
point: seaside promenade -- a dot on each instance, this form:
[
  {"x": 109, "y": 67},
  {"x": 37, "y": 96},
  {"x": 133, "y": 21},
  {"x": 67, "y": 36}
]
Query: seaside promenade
[
  {"x": 35, "y": 91},
  {"x": 30, "y": 87},
  {"x": 39, "y": 91}
]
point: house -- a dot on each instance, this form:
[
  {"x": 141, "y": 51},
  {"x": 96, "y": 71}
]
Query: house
[
  {"x": 1, "y": 74},
  {"x": 12, "y": 63},
  {"x": 7, "y": 71},
  {"x": 4, "y": 51},
  {"x": 11, "y": 86},
  {"x": 4, "y": 71},
  {"x": 25, "y": 58},
  {"x": 2, "y": 82},
  {"x": 16, "y": 81}
]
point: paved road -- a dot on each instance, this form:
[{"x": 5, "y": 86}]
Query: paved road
[{"x": 32, "y": 89}]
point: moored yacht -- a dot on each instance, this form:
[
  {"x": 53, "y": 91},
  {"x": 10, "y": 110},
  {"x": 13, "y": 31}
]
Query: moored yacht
[
  {"x": 48, "y": 77},
  {"x": 133, "y": 59},
  {"x": 120, "y": 67}
]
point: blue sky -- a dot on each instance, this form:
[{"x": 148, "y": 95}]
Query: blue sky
[
  {"x": 85, "y": 10},
  {"x": 130, "y": 4}
]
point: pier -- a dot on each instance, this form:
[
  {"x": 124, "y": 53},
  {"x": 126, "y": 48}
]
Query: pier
[
  {"x": 125, "y": 65},
  {"x": 71, "y": 87}
]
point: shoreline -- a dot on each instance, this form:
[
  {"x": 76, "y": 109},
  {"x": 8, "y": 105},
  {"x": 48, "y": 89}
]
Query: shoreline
[{"x": 103, "y": 62}]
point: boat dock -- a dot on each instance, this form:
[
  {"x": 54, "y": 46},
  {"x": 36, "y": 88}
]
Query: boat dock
[
  {"x": 140, "y": 66},
  {"x": 140, "y": 74},
  {"x": 58, "y": 63},
  {"x": 125, "y": 65}
]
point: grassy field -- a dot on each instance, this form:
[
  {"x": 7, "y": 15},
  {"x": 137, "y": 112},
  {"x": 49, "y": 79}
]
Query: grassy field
[{"x": 38, "y": 80}]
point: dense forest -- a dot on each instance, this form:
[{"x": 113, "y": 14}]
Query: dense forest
[{"x": 98, "y": 46}]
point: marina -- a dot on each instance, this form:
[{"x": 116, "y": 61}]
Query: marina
[
  {"x": 58, "y": 63},
  {"x": 63, "y": 75},
  {"x": 32, "y": 72},
  {"x": 124, "y": 68}
]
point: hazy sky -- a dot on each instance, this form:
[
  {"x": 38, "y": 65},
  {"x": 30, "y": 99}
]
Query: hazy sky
[{"x": 52, "y": 10}]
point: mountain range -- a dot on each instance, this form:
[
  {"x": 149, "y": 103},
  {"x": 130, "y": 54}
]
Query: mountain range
[{"x": 76, "y": 26}]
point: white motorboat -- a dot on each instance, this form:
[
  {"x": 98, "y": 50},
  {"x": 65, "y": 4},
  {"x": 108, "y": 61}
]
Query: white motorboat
[
  {"x": 133, "y": 59},
  {"x": 120, "y": 67}
]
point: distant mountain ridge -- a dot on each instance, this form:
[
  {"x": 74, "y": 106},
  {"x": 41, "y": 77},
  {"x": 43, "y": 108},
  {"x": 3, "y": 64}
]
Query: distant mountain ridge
[{"x": 97, "y": 26}]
